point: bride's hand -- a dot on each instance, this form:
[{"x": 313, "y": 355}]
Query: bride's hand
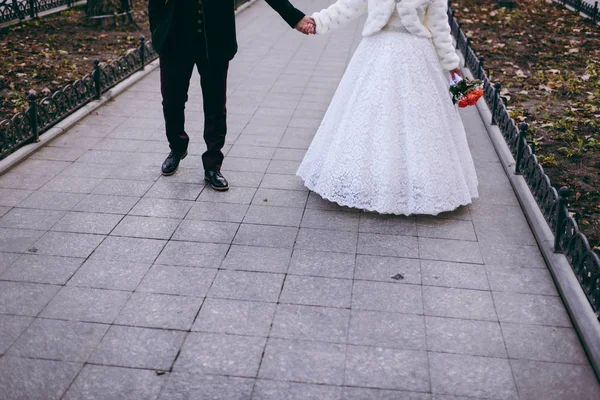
[
  {"x": 455, "y": 71},
  {"x": 307, "y": 26}
]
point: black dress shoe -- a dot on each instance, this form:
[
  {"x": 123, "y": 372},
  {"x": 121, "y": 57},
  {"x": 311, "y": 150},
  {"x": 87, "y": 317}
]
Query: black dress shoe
[
  {"x": 171, "y": 164},
  {"x": 216, "y": 180}
]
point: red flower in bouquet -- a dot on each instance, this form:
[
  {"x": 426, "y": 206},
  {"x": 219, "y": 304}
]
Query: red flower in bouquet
[
  {"x": 472, "y": 98},
  {"x": 466, "y": 92}
]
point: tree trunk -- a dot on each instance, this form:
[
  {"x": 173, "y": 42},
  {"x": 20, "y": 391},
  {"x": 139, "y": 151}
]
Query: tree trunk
[
  {"x": 507, "y": 3},
  {"x": 108, "y": 12}
]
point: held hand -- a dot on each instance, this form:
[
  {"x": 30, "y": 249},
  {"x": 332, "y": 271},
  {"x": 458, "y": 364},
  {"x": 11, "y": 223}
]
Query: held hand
[
  {"x": 455, "y": 71},
  {"x": 307, "y": 26}
]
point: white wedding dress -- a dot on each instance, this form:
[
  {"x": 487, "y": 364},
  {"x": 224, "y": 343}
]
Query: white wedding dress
[{"x": 392, "y": 141}]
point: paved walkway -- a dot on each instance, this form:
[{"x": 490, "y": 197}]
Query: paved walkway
[{"x": 116, "y": 283}]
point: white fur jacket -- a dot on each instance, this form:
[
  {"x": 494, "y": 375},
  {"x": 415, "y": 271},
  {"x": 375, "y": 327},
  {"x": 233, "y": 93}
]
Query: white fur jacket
[{"x": 423, "y": 18}]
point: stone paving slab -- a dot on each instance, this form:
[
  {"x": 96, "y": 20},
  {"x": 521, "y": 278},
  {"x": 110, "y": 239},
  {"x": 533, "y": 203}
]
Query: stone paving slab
[{"x": 117, "y": 283}]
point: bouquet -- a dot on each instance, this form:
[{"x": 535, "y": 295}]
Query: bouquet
[{"x": 465, "y": 92}]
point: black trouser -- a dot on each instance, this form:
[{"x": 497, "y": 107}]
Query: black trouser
[{"x": 176, "y": 69}]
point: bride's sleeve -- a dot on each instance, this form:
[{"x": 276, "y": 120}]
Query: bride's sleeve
[
  {"x": 339, "y": 14},
  {"x": 436, "y": 20}
]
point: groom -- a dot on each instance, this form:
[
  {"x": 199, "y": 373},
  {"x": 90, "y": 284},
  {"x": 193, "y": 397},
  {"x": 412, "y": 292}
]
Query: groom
[{"x": 201, "y": 33}]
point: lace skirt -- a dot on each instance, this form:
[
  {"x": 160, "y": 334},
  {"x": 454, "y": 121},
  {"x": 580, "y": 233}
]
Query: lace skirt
[{"x": 391, "y": 141}]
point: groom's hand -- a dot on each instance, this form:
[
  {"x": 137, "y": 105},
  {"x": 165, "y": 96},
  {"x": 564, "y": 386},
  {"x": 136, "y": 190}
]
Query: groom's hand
[{"x": 307, "y": 26}]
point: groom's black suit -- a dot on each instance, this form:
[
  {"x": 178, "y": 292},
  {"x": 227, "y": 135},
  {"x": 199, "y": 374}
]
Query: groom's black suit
[{"x": 201, "y": 33}]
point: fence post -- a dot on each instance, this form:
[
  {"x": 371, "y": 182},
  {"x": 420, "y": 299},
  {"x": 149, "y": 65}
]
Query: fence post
[
  {"x": 457, "y": 34},
  {"x": 97, "y": 80},
  {"x": 143, "y": 51},
  {"x": 497, "y": 87},
  {"x": 33, "y": 116},
  {"x": 561, "y": 216},
  {"x": 15, "y": 6},
  {"x": 481, "y": 70},
  {"x": 521, "y": 146},
  {"x": 596, "y": 16},
  {"x": 32, "y": 8}
]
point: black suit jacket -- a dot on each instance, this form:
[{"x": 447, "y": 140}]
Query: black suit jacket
[{"x": 219, "y": 23}]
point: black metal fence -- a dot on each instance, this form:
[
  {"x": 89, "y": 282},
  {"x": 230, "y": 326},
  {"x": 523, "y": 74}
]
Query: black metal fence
[
  {"x": 591, "y": 10},
  {"x": 26, "y": 127},
  {"x": 553, "y": 203},
  {"x": 11, "y": 10}
]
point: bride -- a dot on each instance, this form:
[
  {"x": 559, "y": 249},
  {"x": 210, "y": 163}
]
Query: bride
[{"x": 391, "y": 140}]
